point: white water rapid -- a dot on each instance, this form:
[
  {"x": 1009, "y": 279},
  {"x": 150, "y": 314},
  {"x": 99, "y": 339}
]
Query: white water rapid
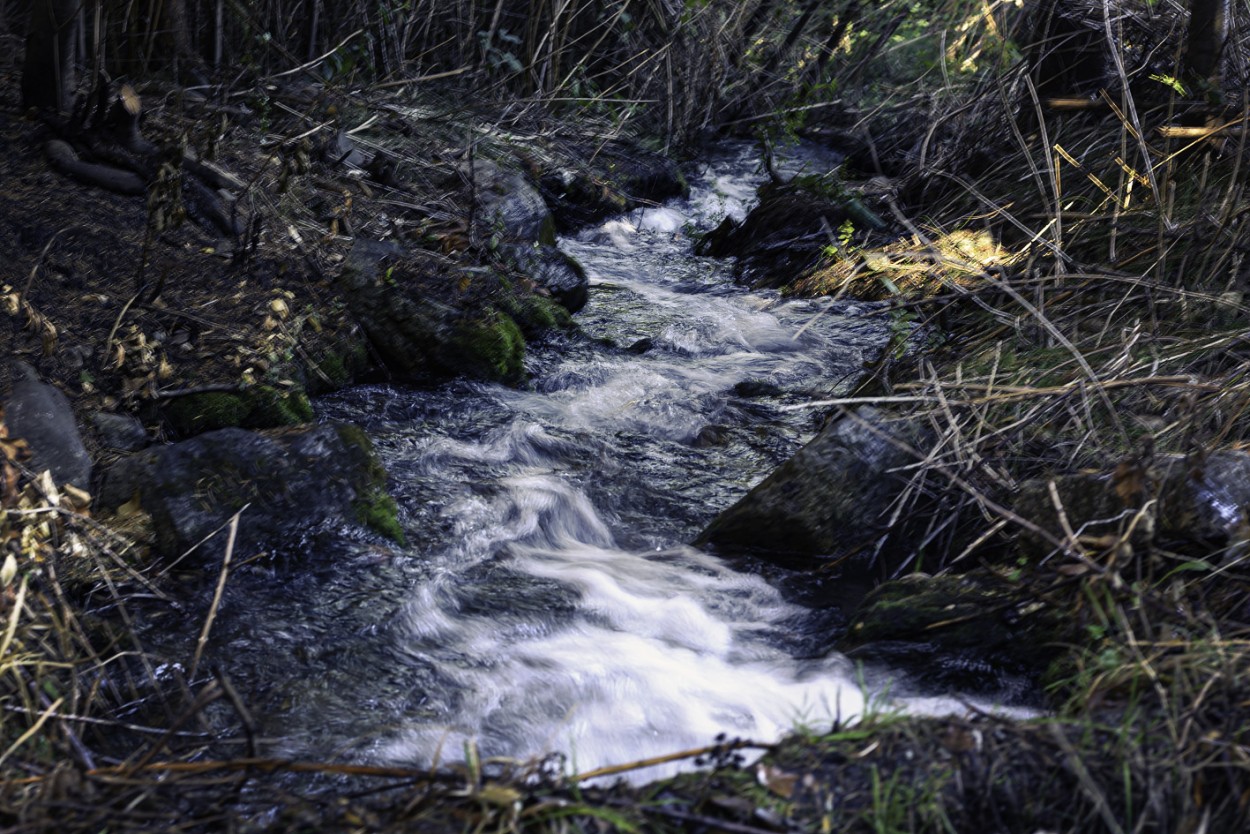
[{"x": 546, "y": 602}]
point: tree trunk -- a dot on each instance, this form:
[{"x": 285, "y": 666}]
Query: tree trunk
[{"x": 51, "y": 45}]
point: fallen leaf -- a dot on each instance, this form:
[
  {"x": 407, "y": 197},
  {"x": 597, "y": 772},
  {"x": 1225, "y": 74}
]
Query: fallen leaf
[
  {"x": 778, "y": 781},
  {"x": 130, "y": 508}
]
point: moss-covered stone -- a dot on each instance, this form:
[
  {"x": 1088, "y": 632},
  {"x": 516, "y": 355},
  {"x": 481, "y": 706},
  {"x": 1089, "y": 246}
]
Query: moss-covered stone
[
  {"x": 374, "y": 507},
  {"x": 377, "y": 510},
  {"x": 271, "y": 407},
  {"x": 207, "y": 411},
  {"x": 337, "y": 366},
  {"x": 258, "y": 407},
  {"x": 490, "y": 347},
  {"x": 547, "y": 231},
  {"x": 536, "y": 314},
  {"x": 974, "y": 631}
]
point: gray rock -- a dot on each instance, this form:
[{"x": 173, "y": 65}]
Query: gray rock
[
  {"x": 42, "y": 416},
  {"x": 339, "y": 149},
  {"x": 553, "y": 270},
  {"x": 1202, "y": 505},
  {"x": 832, "y": 499},
  {"x": 285, "y": 485},
  {"x": 120, "y": 431},
  {"x": 507, "y": 205}
]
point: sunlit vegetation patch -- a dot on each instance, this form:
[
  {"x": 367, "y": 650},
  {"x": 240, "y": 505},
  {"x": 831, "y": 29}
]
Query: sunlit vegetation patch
[{"x": 919, "y": 266}]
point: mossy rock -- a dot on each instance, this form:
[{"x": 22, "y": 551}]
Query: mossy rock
[
  {"x": 374, "y": 506},
  {"x": 258, "y": 407},
  {"x": 272, "y": 407},
  {"x": 536, "y": 314},
  {"x": 490, "y": 347},
  {"x": 337, "y": 366},
  {"x": 196, "y": 413}
]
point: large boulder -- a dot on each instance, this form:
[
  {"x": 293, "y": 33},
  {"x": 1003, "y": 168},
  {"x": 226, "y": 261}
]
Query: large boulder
[
  {"x": 829, "y": 505},
  {"x": 1195, "y": 504},
  {"x": 42, "y": 416},
  {"x": 506, "y": 206},
  {"x": 559, "y": 275},
  {"x": 282, "y": 485}
]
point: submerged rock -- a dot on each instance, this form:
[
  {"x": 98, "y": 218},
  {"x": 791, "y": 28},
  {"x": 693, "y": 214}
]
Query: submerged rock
[
  {"x": 42, "y": 416},
  {"x": 831, "y": 502},
  {"x": 282, "y": 485},
  {"x": 1196, "y": 504}
]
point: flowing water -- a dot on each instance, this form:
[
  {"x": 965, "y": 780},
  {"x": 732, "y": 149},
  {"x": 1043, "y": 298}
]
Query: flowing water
[{"x": 546, "y": 601}]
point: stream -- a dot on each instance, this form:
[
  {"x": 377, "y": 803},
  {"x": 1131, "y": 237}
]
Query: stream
[{"x": 546, "y": 601}]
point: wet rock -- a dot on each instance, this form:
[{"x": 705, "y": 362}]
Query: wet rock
[
  {"x": 42, "y": 416},
  {"x": 120, "y": 432},
  {"x": 789, "y": 229},
  {"x": 709, "y": 436},
  {"x": 642, "y": 346},
  {"x": 753, "y": 388},
  {"x": 557, "y": 273},
  {"x": 975, "y": 633},
  {"x": 830, "y": 503},
  {"x": 1202, "y": 506},
  {"x": 610, "y": 178},
  {"x": 283, "y": 485}
]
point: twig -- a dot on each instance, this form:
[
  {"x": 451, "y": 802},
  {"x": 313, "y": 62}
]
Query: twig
[
  {"x": 221, "y": 587},
  {"x": 222, "y": 387},
  {"x": 613, "y": 770}
]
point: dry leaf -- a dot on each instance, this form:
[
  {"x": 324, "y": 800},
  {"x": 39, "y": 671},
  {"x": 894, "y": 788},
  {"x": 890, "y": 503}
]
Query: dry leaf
[
  {"x": 501, "y": 795},
  {"x": 78, "y": 499},
  {"x": 130, "y": 508},
  {"x": 778, "y": 781}
]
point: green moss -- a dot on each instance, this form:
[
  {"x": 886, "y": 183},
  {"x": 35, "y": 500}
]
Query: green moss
[
  {"x": 490, "y": 347},
  {"x": 377, "y": 510},
  {"x": 271, "y": 407},
  {"x": 258, "y": 407},
  {"x": 547, "y": 232},
  {"x": 208, "y": 411},
  {"x": 374, "y": 507},
  {"x": 536, "y": 314}
]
